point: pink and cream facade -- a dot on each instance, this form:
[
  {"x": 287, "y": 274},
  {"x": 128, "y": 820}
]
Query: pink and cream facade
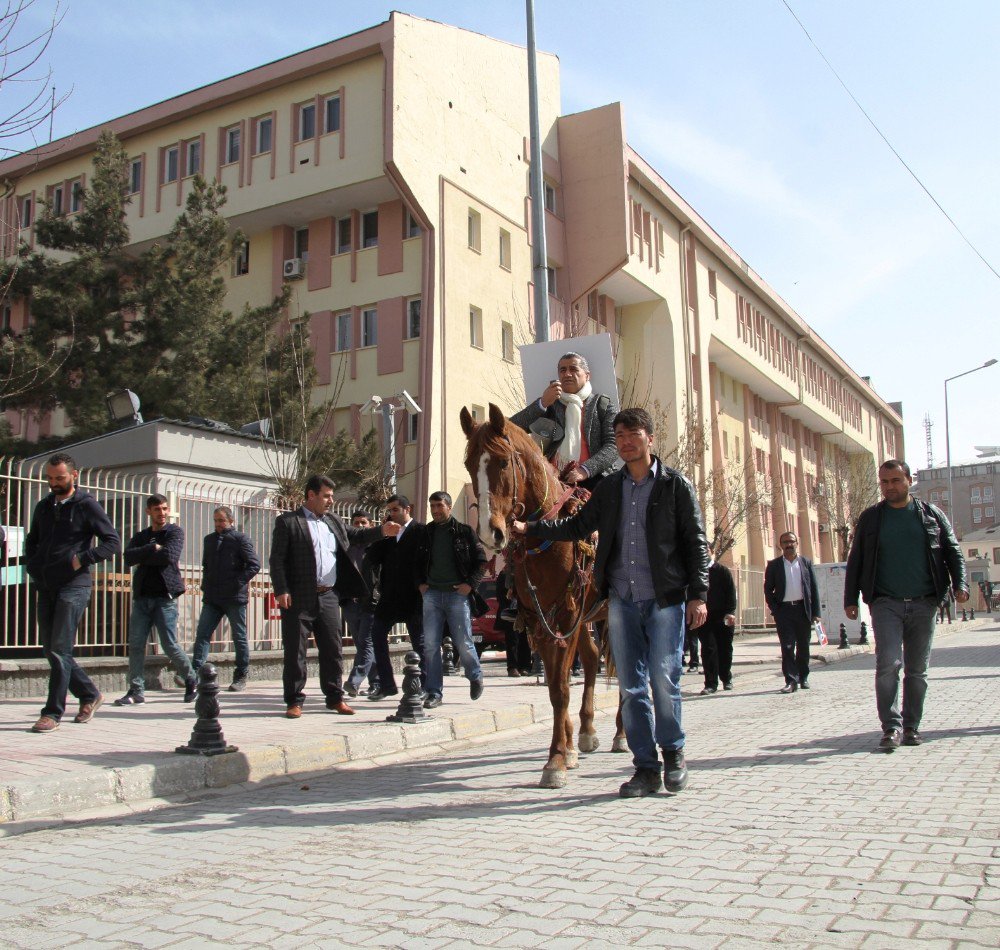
[{"x": 384, "y": 176}]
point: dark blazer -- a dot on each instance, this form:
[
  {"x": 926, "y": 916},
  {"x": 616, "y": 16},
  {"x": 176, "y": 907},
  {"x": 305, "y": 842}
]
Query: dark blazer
[
  {"x": 675, "y": 534},
  {"x": 398, "y": 562},
  {"x": 721, "y": 592},
  {"x": 141, "y": 554},
  {"x": 599, "y": 412},
  {"x": 293, "y": 562},
  {"x": 774, "y": 586},
  {"x": 229, "y": 562}
]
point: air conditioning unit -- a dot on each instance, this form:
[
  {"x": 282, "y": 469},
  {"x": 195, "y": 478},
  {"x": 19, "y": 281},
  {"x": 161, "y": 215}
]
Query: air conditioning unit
[
  {"x": 294, "y": 269},
  {"x": 824, "y": 528}
]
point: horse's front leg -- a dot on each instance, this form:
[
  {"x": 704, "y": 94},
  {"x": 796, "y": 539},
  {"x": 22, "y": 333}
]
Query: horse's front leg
[
  {"x": 556, "y": 661},
  {"x": 590, "y": 658}
]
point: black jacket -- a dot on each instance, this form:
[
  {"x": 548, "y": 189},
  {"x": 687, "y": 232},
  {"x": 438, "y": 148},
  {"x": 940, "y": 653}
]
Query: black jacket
[
  {"x": 293, "y": 561},
  {"x": 721, "y": 592},
  {"x": 470, "y": 558},
  {"x": 774, "y": 587},
  {"x": 944, "y": 556},
  {"x": 141, "y": 554},
  {"x": 398, "y": 562},
  {"x": 58, "y": 532},
  {"x": 229, "y": 563},
  {"x": 675, "y": 534}
]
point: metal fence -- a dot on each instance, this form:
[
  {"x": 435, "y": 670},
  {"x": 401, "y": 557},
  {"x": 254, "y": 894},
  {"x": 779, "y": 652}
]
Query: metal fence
[{"x": 751, "y": 609}]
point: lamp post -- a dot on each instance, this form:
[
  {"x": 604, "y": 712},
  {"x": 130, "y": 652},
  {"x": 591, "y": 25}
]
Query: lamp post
[
  {"x": 947, "y": 439},
  {"x": 389, "y": 407}
]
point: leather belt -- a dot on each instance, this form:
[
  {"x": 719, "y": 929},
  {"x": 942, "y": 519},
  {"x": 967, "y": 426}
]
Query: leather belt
[
  {"x": 320, "y": 589},
  {"x": 793, "y": 603}
]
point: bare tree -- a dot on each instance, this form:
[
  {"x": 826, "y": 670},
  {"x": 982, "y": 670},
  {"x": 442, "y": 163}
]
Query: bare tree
[{"x": 848, "y": 486}]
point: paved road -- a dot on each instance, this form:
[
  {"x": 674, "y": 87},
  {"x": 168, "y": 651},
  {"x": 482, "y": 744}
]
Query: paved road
[{"x": 791, "y": 831}]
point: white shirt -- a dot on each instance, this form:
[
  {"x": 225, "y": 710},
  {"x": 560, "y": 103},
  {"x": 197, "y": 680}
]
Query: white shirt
[
  {"x": 793, "y": 578},
  {"x": 324, "y": 548}
]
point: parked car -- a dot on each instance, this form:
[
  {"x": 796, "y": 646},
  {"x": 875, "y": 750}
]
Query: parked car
[{"x": 484, "y": 635}]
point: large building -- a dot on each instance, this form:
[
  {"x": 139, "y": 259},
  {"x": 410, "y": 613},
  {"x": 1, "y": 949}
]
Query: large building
[
  {"x": 385, "y": 174},
  {"x": 975, "y": 487}
]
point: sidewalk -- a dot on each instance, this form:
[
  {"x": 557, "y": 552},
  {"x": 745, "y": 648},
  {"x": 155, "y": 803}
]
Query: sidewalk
[{"x": 124, "y": 760}]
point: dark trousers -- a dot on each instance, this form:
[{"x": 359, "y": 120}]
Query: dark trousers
[
  {"x": 794, "y": 632},
  {"x": 716, "y": 653},
  {"x": 518, "y": 651},
  {"x": 323, "y": 622},
  {"x": 59, "y": 614},
  {"x": 691, "y": 646},
  {"x": 359, "y": 622},
  {"x": 380, "y": 641}
]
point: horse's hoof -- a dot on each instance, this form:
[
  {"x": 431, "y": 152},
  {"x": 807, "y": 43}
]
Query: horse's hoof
[
  {"x": 588, "y": 742},
  {"x": 572, "y": 759},
  {"x": 619, "y": 745},
  {"x": 553, "y": 778}
]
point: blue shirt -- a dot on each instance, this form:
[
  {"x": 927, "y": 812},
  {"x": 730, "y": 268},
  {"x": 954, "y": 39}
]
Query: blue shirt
[
  {"x": 325, "y": 548},
  {"x": 629, "y": 573}
]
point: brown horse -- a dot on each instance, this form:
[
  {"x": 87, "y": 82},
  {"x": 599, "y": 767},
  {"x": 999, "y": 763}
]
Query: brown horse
[{"x": 513, "y": 480}]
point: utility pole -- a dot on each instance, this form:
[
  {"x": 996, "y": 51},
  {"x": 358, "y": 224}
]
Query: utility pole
[{"x": 540, "y": 258}]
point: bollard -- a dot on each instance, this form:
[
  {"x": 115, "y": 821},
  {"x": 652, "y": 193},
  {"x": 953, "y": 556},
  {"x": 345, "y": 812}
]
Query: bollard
[
  {"x": 411, "y": 706},
  {"x": 206, "y": 736},
  {"x": 844, "y": 643},
  {"x": 972, "y": 613},
  {"x": 448, "y": 656},
  {"x": 864, "y": 634},
  {"x": 537, "y": 669},
  {"x": 964, "y": 618}
]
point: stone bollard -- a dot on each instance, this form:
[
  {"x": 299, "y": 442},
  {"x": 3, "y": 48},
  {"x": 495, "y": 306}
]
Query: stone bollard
[
  {"x": 537, "y": 669},
  {"x": 864, "y": 634},
  {"x": 206, "y": 736},
  {"x": 448, "y": 656},
  {"x": 844, "y": 642},
  {"x": 411, "y": 705},
  {"x": 964, "y": 618},
  {"x": 972, "y": 613}
]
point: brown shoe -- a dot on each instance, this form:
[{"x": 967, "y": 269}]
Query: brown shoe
[
  {"x": 45, "y": 724},
  {"x": 87, "y": 710},
  {"x": 293, "y": 712},
  {"x": 341, "y": 708}
]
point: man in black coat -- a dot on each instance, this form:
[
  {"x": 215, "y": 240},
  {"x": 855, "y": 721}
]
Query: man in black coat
[
  {"x": 396, "y": 558},
  {"x": 793, "y": 599},
  {"x": 155, "y": 553},
  {"x": 58, "y": 553},
  {"x": 310, "y": 573},
  {"x": 359, "y": 614},
  {"x": 228, "y": 562},
  {"x": 717, "y": 633}
]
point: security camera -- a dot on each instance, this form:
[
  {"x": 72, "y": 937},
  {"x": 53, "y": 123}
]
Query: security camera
[
  {"x": 372, "y": 404},
  {"x": 409, "y": 402}
]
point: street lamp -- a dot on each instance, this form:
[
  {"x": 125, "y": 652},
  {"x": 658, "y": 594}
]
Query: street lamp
[
  {"x": 947, "y": 439},
  {"x": 388, "y": 407}
]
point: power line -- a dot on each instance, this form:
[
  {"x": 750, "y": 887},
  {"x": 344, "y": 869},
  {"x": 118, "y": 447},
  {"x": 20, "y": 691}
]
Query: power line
[{"x": 882, "y": 136}]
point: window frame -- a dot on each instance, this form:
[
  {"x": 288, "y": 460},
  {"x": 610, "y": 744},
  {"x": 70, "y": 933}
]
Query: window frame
[
  {"x": 171, "y": 157},
  {"x": 411, "y": 227},
  {"x": 241, "y": 260},
  {"x": 57, "y": 201},
  {"x": 343, "y": 248},
  {"x": 367, "y": 242},
  {"x": 476, "y": 327},
  {"x": 412, "y": 427},
  {"x": 305, "y": 109},
  {"x": 549, "y": 201},
  {"x": 26, "y": 210},
  {"x": 234, "y": 145},
  {"x": 369, "y": 327},
  {"x": 475, "y": 231},
  {"x": 75, "y": 195},
  {"x": 300, "y": 245},
  {"x": 418, "y": 301},
  {"x": 261, "y": 122},
  {"x": 327, "y": 102},
  {"x": 135, "y": 182},
  {"x": 507, "y": 341},
  {"x": 505, "y": 245},
  {"x": 343, "y": 319},
  {"x": 192, "y": 146}
]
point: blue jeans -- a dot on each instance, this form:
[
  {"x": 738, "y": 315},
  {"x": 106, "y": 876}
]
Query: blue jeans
[
  {"x": 211, "y": 617},
  {"x": 59, "y": 614},
  {"x": 647, "y": 643},
  {"x": 359, "y": 624},
  {"x": 453, "y": 607},
  {"x": 904, "y": 633},
  {"x": 149, "y": 612}
]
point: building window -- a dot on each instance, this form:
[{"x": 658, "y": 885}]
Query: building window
[
  {"x": 307, "y": 122},
  {"x": 369, "y": 327},
  {"x": 736, "y": 446},
  {"x": 232, "y": 145},
  {"x": 193, "y": 157},
  {"x": 135, "y": 176},
  {"x": 977, "y": 515},
  {"x": 26, "y": 211},
  {"x": 241, "y": 263},
  {"x": 505, "y": 249},
  {"x": 934, "y": 497},
  {"x": 265, "y": 127},
  {"x": 550, "y": 197},
  {"x": 343, "y": 341},
  {"x": 476, "y": 327},
  {"x": 553, "y": 285},
  {"x": 171, "y": 164},
  {"x": 57, "y": 200},
  {"x": 412, "y": 426},
  {"x": 343, "y": 235},
  {"x": 75, "y": 196},
  {"x": 996, "y": 555},
  {"x": 475, "y": 226},
  {"x": 989, "y": 513},
  {"x": 713, "y": 289},
  {"x": 725, "y": 445},
  {"x": 413, "y": 308},
  {"x": 977, "y": 495},
  {"x": 507, "y": 341},
  {"x": 987, "y": 493},
  {"x": 302, "y": 243},
  {"x": 478, "y": 413},
  {"x": 369, "y": 229},
  {"x": 332, "y": 114},
  {"x": 412, "y": 226}
]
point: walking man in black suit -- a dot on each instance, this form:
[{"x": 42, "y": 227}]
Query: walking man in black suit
[
  {"x": 310, "y": 573},
  {"x": 793, "y": 599},
  {"x": 716, "y": 634}
]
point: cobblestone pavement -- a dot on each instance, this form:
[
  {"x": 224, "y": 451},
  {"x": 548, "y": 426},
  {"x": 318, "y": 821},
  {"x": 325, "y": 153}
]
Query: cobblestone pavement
[{"x": 792, "y": 831}]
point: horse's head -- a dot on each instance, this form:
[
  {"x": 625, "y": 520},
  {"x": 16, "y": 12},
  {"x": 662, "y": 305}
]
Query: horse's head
[{"x": 494, "y": 459}]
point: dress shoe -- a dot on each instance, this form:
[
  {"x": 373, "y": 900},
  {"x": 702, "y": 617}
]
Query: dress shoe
[
  {"x": 342, "y": 708},
  {"x": 804, "y": 685},
  {"x": 789, "y": 688},
  {"x": 890, "y": 741},
  {"x": 432, "y": 702},
  {"x": 293, "y": 712},
  {"x": 675, "y": 773},
  {"x": 45, "y": 724},
  {"x": 708, "y": 691},
  {"x": 190, "y": 689},
  {"x": 475, "y": 688},
  {"x": 728, "y": 686},
  {"x": 644, "y": 782},
  {"x": 912, "y": 737},
  {"x": 693, "y": 668},
  {"x": 377, "y": 694},
  {"x": 131, "y": 698},
  {"x": 87, "y": 710},
  {"x": 351, "y": 691},
  {"x": 238, "y": 684},
  {"x": 513, "y": 673}
]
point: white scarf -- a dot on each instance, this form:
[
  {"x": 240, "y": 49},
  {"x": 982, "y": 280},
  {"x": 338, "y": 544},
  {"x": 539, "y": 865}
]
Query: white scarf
[{"x": 569, "y": 450}]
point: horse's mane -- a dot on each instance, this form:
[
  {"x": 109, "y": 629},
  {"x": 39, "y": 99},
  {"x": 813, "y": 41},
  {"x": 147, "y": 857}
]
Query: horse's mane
[{"x": 487, "y": 439}]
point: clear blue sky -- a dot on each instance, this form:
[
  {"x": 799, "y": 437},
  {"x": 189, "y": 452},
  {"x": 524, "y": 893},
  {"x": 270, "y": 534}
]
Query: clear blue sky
[{"x": 730, "y": 102}]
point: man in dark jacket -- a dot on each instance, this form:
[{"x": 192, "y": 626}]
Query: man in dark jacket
[
  {"x": 396, "y": 559},
  {"x": 652, "y": 562},
  {"x": 228, "y": 563},
  {"x": 793, "y": 598},
  {"x": 155, "y": 553},
  {"x": 717, "y": 633},
  {"x": 58, "y": 555},
  {"x": 450, "y": 567},
  {"x": 359, "y": 614},
  {"x": 904, "y": 561},
  {"x": 311, "y": 573}
]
